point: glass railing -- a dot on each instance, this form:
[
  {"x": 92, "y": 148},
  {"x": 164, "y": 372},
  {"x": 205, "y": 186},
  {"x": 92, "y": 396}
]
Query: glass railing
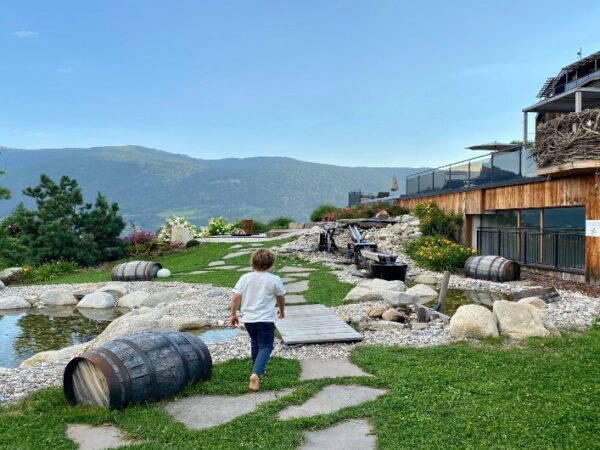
[{"x": 507, "y": 165}]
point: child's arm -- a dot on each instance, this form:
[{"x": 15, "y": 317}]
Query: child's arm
[
  {"x": 236, "y": 301},
  {"x": 281, "y": 304}
]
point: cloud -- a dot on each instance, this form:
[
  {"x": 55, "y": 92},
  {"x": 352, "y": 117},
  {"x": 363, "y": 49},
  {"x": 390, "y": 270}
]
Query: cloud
[{"x": 25, "y": 33}]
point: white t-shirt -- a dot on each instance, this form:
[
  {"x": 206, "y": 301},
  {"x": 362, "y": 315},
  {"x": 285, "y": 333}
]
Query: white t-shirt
[{"x": 258, "y": 291}]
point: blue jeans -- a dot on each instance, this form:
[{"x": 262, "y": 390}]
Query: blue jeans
[{"x": 262, "y": 335}]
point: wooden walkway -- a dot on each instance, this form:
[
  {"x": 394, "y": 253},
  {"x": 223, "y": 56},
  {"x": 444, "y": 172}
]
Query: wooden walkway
[{"x": 313, "y": 324}]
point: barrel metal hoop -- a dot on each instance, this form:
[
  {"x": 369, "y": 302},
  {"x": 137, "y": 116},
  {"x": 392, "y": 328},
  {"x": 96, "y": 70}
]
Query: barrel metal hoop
[
  {"x": 114, "y": 388},
  {"x": 124, "y": 371},
  {"x": 489, "y": 274},
  {"x": 149, "y": 365},
  {"x": 202, "y": 352},
  {"x": 186, "y": 366}
]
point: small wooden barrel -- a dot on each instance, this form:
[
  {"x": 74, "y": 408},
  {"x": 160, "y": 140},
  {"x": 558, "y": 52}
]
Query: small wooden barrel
[
  {"x": 140, "y": 367},
  {"x": 494, "y": 268},
  {"x": 135, "y": 271}
]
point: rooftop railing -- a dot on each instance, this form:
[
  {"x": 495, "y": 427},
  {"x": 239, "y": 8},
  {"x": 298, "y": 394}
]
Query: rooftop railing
[{"x": 494, "y": 168}]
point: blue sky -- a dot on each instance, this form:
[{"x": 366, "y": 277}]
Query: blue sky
[{"x": 345, "y": 82}]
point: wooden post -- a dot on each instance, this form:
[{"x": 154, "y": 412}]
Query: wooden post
[{"x": 444, "y": 289}]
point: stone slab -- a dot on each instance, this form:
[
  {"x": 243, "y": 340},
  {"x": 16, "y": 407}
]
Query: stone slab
[
  {"x": 349, "y": 435},
  {"x": 289, "y": 279},
  {"x": 236, "y": 246},
  {"x": 299, "y": 274},
  {"x": 296, "y": 269},
  {"x": 87, "y": 437},
  {"x": 294, "y": 299},
  {"x": 226, "y": 267},
  {"x": 205, "y": 411},
  {"x": 313, "y": 369},
  {"x": 216, "y": 263},
  {"x": 245, "y": 269},
  {"x": 331, "y": 399},
  {"x": 298, "y": 286},
  {"x": 236, "y": 254},
  {"x": 196, "y": 272}
]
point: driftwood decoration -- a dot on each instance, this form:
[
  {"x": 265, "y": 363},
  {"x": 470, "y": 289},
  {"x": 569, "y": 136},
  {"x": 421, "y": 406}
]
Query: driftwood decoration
[{"x": 567, "y": 138}]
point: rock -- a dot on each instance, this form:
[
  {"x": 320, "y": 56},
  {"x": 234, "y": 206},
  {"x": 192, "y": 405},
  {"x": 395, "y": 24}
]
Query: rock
[
  {"x": 11, "y": 271},
  {"x": 2, "y": 286},
  {"x": 180, "y": 236},
  {"x": 402, "y": 300},
  {"x": 533, "y": 301},
  {"x": 64, "y": 354},
  {"x": 426, "y": 279},
  {"x": 58, "y": 297},
  {"x": 163, "y": 273},
  {"x": 190, "y": 294},
  {"x": 518, "y": 320},
  {"x": 363, "y": 294},
  {"x": 134, "y": 299},
  {"x": 417, "y": 326},
  {"x": 32, "y": 299},
  {"x": 378, "y": 283},
  {"x": 376, "y": 313},
  {"x": 215, "y": 293},
  {"x": 426, "y": 293},
  {"x": 473, "y": 322},
  {"x": 14, "y": 302},
  {"x": 160, "y": 297},
  {"x": 116, "y": 290},
  {"x": 97, "y": 300},
  {"x": 383, "y": 325},
  {"x": 80, "y": 293},
  {"x": 382, "y": 214},
  {"x": 391, "y": 315}
]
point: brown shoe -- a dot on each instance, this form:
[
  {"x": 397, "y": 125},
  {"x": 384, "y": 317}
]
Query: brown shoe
[{"x": 253, "y": 385}]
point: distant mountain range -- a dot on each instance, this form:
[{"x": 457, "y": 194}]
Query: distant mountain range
[{"x": 150, "y": 184}]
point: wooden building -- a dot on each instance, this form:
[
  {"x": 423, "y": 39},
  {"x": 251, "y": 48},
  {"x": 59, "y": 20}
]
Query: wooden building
[{"x": 537, "y": 203}]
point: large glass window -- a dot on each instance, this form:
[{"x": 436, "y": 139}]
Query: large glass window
[
  {"x": 412, "y": 185},
  {"x": 564, "y": 217},
  {"x": 506, "y": 166},
  {"x": 426, "y": 182},
  {"x": 530, "y": 218}
]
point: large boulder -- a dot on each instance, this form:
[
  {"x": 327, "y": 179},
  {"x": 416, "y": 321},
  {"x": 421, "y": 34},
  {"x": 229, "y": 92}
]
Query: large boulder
[
  {"x": 383, "y": 325},
  {"x": 402, "y": 300},
  {"x": 378, "y": 283},
  {"x": 160, "y": 297},
  {"x": 13, "y": 302},
  {"x": 134, "y": 299},
  {"x": 180, "y": 236},
  {"x": 376, "y": 312},
  {"x": 58, "y": 297},
  {"x": 391, "y": 315},
  {"x": 519, "y": 321},
  {"x": 114, "y": 289},
  {"x": 2, "y": 286},
  {"x": 363, "y": 294},
  {"x": 11, "y": 271},
  {"x": 473, "y": 322},
  {"x": 97, "y": 300},
  {"x": 425, "y": 278},
  {"x": 424, "y": 292},
  {"x": 534, "y": 301}
]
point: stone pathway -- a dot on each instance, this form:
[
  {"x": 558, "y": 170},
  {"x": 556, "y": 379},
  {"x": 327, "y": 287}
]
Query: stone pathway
[
  {"x": 245, "y": 269},
  {"x": 298, "y": 274},
  {"x": 225, "y": 267},
  {"x": 205, "y": 411},
  {"x": 349, "y": 435},
  {"x": 87, "y": 437},
  {"x": 298, "y": 286},
  {"x": 236, "y": 246},
  {"x": 313, "y": 369},
  {"x": 236, "y": 254},
  {"x": 196, "y": 272},
  {"x": 289, "y": 279},
  {"x": 331, "y": 399},
  {"x": 216, "y": 263},
  {"x": 295, "y": 269},
  {"x": 294, "y": 299}
]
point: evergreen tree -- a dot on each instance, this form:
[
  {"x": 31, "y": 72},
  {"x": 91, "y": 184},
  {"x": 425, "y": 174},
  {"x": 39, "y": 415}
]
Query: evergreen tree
[
  {"x": 63, "y": 228},
  {"x": 4, "y": 193}
]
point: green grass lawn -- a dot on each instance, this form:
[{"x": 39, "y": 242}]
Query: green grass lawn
[{"x": 544, "y": 394}]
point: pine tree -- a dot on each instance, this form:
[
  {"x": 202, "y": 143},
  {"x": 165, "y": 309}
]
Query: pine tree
[{"x": 4, "y": 193}]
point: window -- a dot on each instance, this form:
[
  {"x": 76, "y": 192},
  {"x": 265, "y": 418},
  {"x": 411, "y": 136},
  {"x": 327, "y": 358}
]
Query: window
[
  {"x": 530, "y": 218},
  {"x": 564, "y": 217}
]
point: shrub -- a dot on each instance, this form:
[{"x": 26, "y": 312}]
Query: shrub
[
  {"x": 317, "y": 214},
  {"x": 45, "y": 272},
  {"x": 140, "y": 243},
  {"x": 279, "y": 222},
  {"x": 437, "y": 253},
  {"x": 434, "y": 222},
  {"x": 192, "y": 243},
  {"x": 259, "y": 226},
  {"x": 219, "y": 226}
]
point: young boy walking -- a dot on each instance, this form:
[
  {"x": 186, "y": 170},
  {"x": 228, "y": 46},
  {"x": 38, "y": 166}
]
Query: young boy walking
[{"x": 259, "y": 292}]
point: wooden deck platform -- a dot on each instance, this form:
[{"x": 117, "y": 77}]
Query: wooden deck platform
[{"x": 314, "y": 324}]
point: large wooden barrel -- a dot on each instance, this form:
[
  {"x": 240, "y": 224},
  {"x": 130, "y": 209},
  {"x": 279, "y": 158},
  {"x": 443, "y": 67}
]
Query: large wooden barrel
[
  {"x": 135, "y": 271},
  {"x": 137, "y": 368},
  {"x": 494, "y": 268}
]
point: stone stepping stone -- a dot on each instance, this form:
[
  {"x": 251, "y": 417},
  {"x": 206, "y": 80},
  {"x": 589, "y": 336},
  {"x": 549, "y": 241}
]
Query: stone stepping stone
[
  {"x": 226, "y": 267},
  {"x": 256, "y": 245},
  {"x": 349, "y": 435},
  {"x": 294, "y": 299},
  {"x": 87, "y": 437},
  {"x": 245, "y": 269},
  {"x": 236, "y": 246},
  {"x": 288, "y": 279},
  {"x": 196, "y": 272},
  {"x": 331, "y": 399},
  {"x": 205, "y": 411},
  {"x": 298, "y": 275},
  {"x": 314, "y": 369},
  {"x": 295, "y": 269},
  {"x": 236, "y": 254},
  {"x": 298, "y": 286},
  {"x": 216, "y": 263}
]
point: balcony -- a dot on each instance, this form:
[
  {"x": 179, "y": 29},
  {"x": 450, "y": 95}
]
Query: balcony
[{"x": 493, "y": 169}]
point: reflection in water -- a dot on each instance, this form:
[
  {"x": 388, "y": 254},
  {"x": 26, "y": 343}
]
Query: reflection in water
[
  {"x": 216, "y": 335},
  {"x": 24, "y": 333},
  {"x": 459, "y": 297}
]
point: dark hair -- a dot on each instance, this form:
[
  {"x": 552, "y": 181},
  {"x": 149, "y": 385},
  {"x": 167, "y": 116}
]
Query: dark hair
[{"x": 263, "y": 259}]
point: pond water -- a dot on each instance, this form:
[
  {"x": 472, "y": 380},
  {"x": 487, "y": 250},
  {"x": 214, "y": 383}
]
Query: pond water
[{"x": 459, "y": 297}]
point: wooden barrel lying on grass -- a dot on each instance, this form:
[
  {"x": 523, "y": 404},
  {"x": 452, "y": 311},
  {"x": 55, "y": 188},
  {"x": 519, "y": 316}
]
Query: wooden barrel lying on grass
[
  {"x": 494, "y": 268},
  {"x": 135, "y": 271},
  {"x": 140, "y": 367}
]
